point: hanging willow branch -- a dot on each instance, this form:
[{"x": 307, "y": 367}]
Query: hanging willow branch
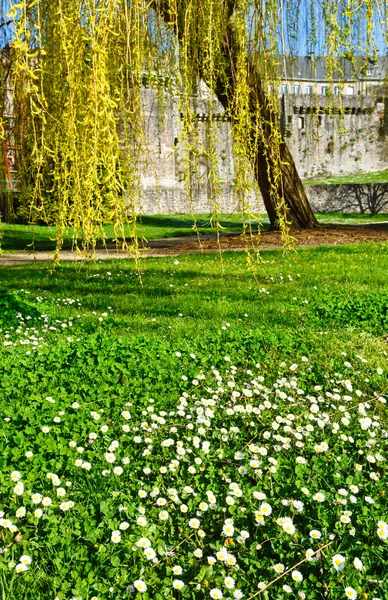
[{"x": 78, "y": 68}]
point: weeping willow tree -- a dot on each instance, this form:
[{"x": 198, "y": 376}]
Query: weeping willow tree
[{"x": 77, "y": 74}]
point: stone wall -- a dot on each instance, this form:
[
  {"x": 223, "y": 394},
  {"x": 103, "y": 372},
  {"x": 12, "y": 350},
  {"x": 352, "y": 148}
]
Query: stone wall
[
  {"x": 337, "y": 136},
  {"x": 324, "y": 138},
  {"x": 165, "y": 165},
  {"x": 351, "y": 198}
]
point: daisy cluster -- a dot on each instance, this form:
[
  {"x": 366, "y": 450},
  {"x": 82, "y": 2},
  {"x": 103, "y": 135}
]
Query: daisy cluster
[
  {"x": 32, "y": 332},
  {"x": 246, "y": 487},
  {"x": 118, "y": 273},
  {"x": 35, "y": 336},
  {"x": 28, "y": 331}
]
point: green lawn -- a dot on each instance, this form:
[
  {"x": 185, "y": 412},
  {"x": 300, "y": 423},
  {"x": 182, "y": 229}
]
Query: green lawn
[
  {"x": 193, "y": 286},
  {"x": 376, "y": 177},
  {"x": 212, "y": 390},
  {"x": 18, "y": 238},
  {"x": 335, "y": 218}
]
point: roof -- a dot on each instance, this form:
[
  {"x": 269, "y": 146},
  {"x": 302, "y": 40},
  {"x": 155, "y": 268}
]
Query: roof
[{"x": 318, "y": 68}]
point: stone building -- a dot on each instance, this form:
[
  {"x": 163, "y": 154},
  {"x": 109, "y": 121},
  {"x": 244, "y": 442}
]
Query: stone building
[
  {"x": 335, "y": 136},
  {"x": 163, "y": 185},
  {"x": 333, "y": 126},
  {"x": 312, "y": 75}
]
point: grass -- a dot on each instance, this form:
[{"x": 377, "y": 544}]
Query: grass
[
  {"x": 335, "y": 218},
  {"x": 375, "y": 177},
  {"x": 195, "y": 288},
  {"x": 17, "y": 238},
  {"x": 97, "y": 353}
]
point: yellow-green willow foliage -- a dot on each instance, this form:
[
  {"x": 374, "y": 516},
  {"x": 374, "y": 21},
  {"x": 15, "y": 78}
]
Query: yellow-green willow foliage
[
  {"x": 6, "y": 134},
  {"x": 78, "y": 71},
  {"x": 70, "y": 62}
]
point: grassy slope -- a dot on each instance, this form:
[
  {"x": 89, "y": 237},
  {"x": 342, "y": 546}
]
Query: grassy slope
[
  {"x": 187, "y": 307},
  {"x": 190, "y": 308},
  {"x": 190, "y": 301},
  {"x": 19, "y": 237},
  {"x": 376, "y": 177}
]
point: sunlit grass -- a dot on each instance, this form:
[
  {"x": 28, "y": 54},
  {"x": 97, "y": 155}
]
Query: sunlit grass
[
  {"x": 82, "y": 379},
  {"x": 17, "y": 238},
  {"x": 375, "y": 177},
  {"x": 188, "y": 298}
]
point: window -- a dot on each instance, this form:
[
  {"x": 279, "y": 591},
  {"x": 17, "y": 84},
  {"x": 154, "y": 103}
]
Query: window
[
  {"x": 323, "y": 89},
  {"x": 309, "y": 89},
  {"x": 369, "y": 71},
  {"x": 350, "y": 91},
  {"x": 300, "y": 122},
  {"x": 296, "y": 89},
  {"x": 337, "y": 90},
  {"x": 283, "y": 89}
]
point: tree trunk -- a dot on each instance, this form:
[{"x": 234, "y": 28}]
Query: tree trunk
[
  {"x": 290, "y": 187},
  {"x": 299, "y": 212}
]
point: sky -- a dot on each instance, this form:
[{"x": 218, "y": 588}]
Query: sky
[
  {"x": 301, "y": 14},
  {"x": 295, "y": 38}
]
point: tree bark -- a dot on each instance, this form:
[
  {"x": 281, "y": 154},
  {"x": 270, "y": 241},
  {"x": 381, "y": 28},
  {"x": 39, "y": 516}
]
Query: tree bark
[{"x": 290, "y": 187}]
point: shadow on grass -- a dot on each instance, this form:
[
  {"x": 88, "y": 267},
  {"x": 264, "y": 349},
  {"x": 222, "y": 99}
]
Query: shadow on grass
[
  {"x": 192, "y": 298},
  {"x": 21, "y": 238},
  {"x": 42, "y": 238}
]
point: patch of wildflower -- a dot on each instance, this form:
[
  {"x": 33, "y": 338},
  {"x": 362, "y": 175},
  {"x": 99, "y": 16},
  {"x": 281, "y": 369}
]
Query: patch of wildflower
[
  {"x": 33, "y": 332},
  {"x": 241, "y": 483}
]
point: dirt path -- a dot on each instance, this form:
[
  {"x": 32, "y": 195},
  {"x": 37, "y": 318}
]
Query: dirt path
[{"x": 328, "y": 235}]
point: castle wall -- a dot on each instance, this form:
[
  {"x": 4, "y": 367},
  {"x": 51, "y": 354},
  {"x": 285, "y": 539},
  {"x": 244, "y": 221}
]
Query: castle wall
[
  {"x": 331, "y": 140},
  {"x": 324, "y": 139},
  {"x": 165, "y": 166},
  {"x": 349, "y": 198}
]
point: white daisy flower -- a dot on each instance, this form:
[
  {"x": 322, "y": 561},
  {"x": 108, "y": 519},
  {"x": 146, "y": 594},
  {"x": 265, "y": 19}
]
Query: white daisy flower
[
  {"x": 178, "y": 584},
  {"x": 149, "y": 553},
  {"x": 194, "y": 524},
  {"x": 338, "y": 562},
  {"x": 140, "y": 585},
  {"x": 315, "y": 534},
  {"x": 215, "y": 593},
  {"x": 116, "y": 536},
  {"x": 229, "y": 583}
]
